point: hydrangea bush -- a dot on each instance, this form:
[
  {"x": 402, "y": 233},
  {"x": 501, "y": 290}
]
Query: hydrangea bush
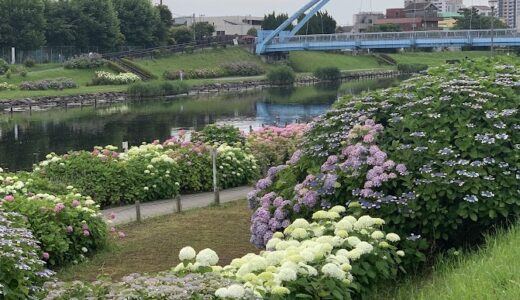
[
  {"x": 85, "y": 61},
  {"x": 219, "y": 134},
  {"x": 22, "y": 270},
  {"x": 436, "y": 157},
  {"x": 107, "y": 78},
  {"x": 49, "y": 84},
  {"x": 273, "y": 146},
  {"x": 69, "y": 227},
  {"x": 4, "y": 86}
]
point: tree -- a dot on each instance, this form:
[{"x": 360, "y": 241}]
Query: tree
[
  {"x": 384, "y": 28},
  {"x": 22, "y": 24},
  {"x": 471, "y": 19},
  {"x": 320, "y": 23},
  {"x": 252, "y": 32},
  {"x": 60, "y": 29},
  {"x": 162, "y": 33},
  {"x": 139, "y": 21},
  {"x": 182, "y": 34},
  {"x": 273, "y": 21},
  {"x": 97, "y": 24},
  {"x": 203, "y": 30}
]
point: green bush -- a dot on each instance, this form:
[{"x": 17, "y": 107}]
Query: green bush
[
  {"x": 195, "y": 74},
  {"x": 412, "y": 68},
  {"x": 4, "y": 67},
  {"x": 48, "y": 84},
  {"x": 29, "y": 62},
  {"x": 441, "y": 171},
  {"x": 218, "y": 135},
  {"x": 328, "y": 74},
  {"x": 283, "y": 75},
  {"x": 155, "y": 89}
]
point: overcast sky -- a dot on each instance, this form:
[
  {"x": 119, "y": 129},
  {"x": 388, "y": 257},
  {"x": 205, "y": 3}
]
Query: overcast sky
[{"x": 342, "y": 10}]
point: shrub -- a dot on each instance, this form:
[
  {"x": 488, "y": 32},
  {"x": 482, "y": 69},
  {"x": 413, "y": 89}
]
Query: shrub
[
  {"x": 8, "y": 74},
  {"x": 333, "y": 257},
  {"x": 106, "y": 78},
  {"x": 154, "y": 89},
  {"x": 328, "y": 74},
  {"x": 441, "y": 171},
  {"x": 218, "y": 135},
  {"x": 242, "y": 69},
  {"x": 283, "y": 75},
  {"x": 85, "y": 61},
  {"x": 4, "y": 67},
  {"x": 69, "y": 227},
  {"x": 273, "y": 146},
  {"x": 189, "y": 49},
  {"x": 29, "y": 62},
  {"x": 236, "y": 167},
  {"x": 23, "y": 73},
  {"x": 412, "y": 68},
  {"x": 52, "y": 84},
  {"x": 4, "y": 86},
  {"x": 21, "y": 267}
]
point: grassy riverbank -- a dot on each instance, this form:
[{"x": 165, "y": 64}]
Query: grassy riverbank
[{"x": 302, "y": 62}]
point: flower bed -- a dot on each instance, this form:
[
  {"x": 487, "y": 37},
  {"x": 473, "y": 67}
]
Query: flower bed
[
  {"x": 149, "y": 172},
  {"x": 106, "y": 78},
  {"x": 436, "y": 157},
  {"x": 52, "y": 84}
]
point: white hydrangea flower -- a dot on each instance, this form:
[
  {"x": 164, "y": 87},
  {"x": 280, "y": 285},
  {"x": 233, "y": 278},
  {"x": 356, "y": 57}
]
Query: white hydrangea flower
[
  {"x": 207, "y": 258},
  {"x": 377, "y": 235},
  {"x": 286, "y": 274},
  {"x": 365, "y": 247},
  {"x": 400, "y": 253},
  {"x": 333, "y": 271},
  {"x": 353, "y": 241},
  {"x": 338, "y": 209},
  {"x": 300, "y": 223},
  {"x": 299, "y": 234},
  {"x": 187, "y": 253},
  {"x": 392, "y": 237}
]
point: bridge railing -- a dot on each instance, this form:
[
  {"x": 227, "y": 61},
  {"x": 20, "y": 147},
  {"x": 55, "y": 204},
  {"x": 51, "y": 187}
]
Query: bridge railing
[{"x": 409, "y": 35}]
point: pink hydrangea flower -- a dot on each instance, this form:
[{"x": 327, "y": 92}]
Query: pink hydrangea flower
[
  {"x": 86, "y": 233},
  {"x": 45, "y": 256},
  {"x": 9, "y": 198},
  {"x": 59, "y": 207},
  {"x": 121, "y": 235},
  {"x": 75, "y": 203}
]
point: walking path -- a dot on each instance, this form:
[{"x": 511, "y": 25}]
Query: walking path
[{"x": 126, "y": 214}]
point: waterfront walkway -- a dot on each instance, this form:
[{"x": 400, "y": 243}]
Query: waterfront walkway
[{"x": 127, "y": 214}]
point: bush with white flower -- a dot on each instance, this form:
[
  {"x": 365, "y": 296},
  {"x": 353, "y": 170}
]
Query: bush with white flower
[
  {"x": 107, "y": 78},
  {"x": 333, "y": 257}
]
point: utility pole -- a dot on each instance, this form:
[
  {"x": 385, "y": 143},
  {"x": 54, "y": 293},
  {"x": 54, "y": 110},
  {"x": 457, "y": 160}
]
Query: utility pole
[{"x": 492, "y": 4}]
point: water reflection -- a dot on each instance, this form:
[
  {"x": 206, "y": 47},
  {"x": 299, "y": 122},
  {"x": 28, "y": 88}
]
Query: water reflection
[{"x": 27, "y": 138}]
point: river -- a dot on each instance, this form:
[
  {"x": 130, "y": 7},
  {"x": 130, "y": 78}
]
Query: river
[{"x": 25, "y": 138}]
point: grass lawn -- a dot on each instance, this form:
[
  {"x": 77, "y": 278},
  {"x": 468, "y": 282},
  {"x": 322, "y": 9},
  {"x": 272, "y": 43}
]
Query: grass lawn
[
  {"x": 435, "y": 58},
  {"x": 491, "y": 273},
  {"x": 205, "y": 59},
  {"x": 309, "y": 61},
  {"x": 154, "y": 245}
]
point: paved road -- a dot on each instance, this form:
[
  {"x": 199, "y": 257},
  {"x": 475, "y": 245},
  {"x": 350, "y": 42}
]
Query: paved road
[{"x": 126, "y": 214}]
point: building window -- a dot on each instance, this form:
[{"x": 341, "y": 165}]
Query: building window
[{"x": 221, "y": 33}]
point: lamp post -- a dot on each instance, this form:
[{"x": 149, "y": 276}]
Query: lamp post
[{"x": 493, "y": 4}]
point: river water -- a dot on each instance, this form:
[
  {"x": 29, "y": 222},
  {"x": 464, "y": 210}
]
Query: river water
[{"x": 26, "y": 138}]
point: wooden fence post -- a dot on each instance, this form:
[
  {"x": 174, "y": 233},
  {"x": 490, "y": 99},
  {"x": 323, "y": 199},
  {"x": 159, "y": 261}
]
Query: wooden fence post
[
  {"x": 215, "y": 180},
  {"x": 178, "y": 203},
  {"x": 138, "y": 210}
]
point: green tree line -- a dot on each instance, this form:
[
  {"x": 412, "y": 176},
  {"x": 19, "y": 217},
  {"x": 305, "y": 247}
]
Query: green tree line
[{"x": 105, "y": 24}]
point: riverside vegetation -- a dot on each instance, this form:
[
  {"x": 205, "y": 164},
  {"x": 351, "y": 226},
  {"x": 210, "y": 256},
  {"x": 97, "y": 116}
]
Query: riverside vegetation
[{"x": 434, "y": 160}]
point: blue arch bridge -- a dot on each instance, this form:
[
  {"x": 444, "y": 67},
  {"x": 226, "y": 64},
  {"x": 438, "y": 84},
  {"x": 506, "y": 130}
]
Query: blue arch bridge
[{"x": 282, "y": 40}]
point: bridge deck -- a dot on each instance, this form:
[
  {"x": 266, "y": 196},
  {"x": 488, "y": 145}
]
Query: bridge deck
[{"x": 419, "y": 39}]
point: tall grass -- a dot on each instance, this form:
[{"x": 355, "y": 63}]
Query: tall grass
[{"x": 493, "y": 272}]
